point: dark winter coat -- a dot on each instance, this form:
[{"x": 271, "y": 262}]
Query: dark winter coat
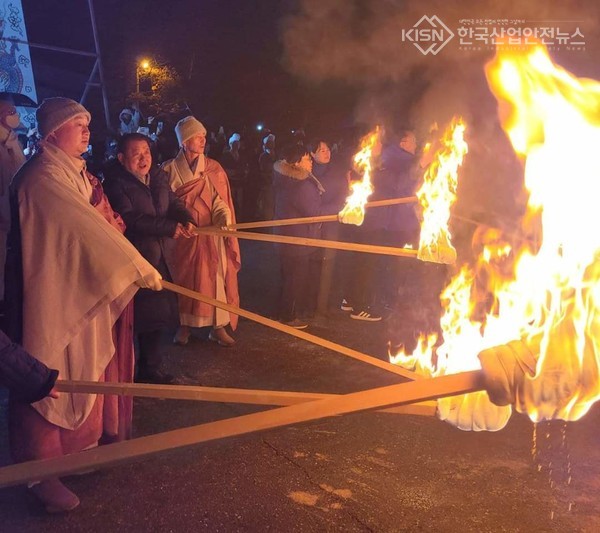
[
  {"x": 151, "y": 214},
  {"x": 297, "y": 194},
  {"x": 333, "y": 178},
  {"x": 28, "y": 379},
  {"x": 394, "y": 178},
  {"x": 266, "y": 160}
]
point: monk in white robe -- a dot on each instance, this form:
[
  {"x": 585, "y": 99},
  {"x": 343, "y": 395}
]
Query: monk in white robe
[{"x": 78, "y": 274}]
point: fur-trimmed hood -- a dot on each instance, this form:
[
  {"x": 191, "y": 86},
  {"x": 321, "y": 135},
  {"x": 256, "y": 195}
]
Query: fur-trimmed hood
[{"x": 286, "y": 169}]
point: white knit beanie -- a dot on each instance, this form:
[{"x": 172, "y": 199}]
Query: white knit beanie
[
  {"x": 187, "y": 127},
  {"x": 54, "y": 112},
  {"x": 268, "y": 138},
  {"x": 234, "y": 138}
]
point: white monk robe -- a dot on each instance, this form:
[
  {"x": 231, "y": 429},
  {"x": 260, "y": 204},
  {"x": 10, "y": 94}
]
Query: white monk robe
[{"x": 79, "y": 273}]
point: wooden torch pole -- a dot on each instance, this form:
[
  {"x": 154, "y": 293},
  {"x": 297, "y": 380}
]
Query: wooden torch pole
[
  {"x": 303, "y": 241},
  {"x": 218, "y": 394},
  {"x": 343, "y": 350},
  {"x": 315, "y": 220},
  {"x": 122, "y": 452}
]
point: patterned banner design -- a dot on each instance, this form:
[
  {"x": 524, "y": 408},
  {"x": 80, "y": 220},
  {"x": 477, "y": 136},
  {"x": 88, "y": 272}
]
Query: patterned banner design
[{"x": 16, "y": 71}]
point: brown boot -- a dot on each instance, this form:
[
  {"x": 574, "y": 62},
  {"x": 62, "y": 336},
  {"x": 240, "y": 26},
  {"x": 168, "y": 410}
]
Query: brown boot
[
  {"x": 220, "y": 336},
  {"x": 54, "y": 496}
]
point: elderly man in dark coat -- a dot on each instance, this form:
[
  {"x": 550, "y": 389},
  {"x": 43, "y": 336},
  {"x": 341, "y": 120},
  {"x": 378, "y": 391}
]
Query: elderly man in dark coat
[{"x": 141, "y": 194}]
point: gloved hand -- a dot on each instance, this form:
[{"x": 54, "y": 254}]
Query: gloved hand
[{"x": 151, "y": 281}]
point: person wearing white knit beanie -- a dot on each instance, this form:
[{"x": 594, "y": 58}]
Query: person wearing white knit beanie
[
  {"x": 204, "y": 187},
  {"x": 187, "y": 128},
  {"x": 63, "y": 253},
  {"x": 55, "y": 112}
]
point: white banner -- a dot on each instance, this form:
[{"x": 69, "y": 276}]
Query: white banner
[{"x": 16, "y": 72}]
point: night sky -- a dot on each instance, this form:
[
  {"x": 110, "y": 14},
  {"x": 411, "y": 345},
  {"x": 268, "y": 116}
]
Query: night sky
[
  {"x": 229, "y": 53},
  {"x": 318, "y": 64}
]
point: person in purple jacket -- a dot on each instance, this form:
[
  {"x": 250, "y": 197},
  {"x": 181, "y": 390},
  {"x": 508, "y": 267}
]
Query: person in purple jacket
[{"x": 23, "y": 375}]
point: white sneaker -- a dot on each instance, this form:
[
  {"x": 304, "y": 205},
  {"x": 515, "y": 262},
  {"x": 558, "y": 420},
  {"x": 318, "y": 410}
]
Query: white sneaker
[{"x": 346, "y": 305}]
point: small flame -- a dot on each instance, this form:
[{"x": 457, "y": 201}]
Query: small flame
[
  {"x": 437, "y": 194},
  {"x": 353, "y": 211},
  {"x": 420, "y": 360}
]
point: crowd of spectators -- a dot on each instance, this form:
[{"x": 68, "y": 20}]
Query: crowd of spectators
[{"x": 99, "y": 225}]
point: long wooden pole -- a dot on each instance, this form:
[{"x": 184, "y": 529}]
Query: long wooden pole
[
  {"x": 303, "y": 241},
  {"x": 317, "y": 219},
  {"x": 218, "y": 394},
  {"x": 112, "y": 454},
  {"x": 343, "y": 350},
  {"x": 334, "y": 218}
]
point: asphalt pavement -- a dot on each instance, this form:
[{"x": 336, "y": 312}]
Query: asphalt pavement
[{"x": 360, "y": 472}]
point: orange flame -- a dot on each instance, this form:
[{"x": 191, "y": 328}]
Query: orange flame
[
  {"x": 353, "y": 211},
  {"x": 545, "y": 295},
  {"x": 437, "y": 194},
  {"x": 552, "y": 120}
]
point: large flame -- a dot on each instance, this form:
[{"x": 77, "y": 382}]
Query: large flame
[
  {"x": 437, "y": 194},
  {"x": 543, "y": 293},
  {"x": 353, "y": 211},
  {"x": 553, "y": 121}
]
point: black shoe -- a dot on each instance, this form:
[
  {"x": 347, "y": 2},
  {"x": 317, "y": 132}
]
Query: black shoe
[
  {"x": 296, "y": 323},
  {"x": 155, "y": 376}
]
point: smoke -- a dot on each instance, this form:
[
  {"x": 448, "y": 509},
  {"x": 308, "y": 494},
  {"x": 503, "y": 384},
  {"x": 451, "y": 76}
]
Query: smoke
[{"x": 359, "y": 42}]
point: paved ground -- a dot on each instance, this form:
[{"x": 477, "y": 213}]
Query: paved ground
[{"x": 363, "y": 472}]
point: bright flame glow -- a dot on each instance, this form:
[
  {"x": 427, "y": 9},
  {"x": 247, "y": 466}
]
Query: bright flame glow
[
  {"x": 353, "y": 211},
  {"x": 552, "y": 121},
  {"x": 543, "y": 296},
  {"x": 437, "y": 194}
]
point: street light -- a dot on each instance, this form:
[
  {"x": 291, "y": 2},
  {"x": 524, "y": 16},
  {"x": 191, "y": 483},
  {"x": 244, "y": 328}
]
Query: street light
[{"x": 144, "y": 67}]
